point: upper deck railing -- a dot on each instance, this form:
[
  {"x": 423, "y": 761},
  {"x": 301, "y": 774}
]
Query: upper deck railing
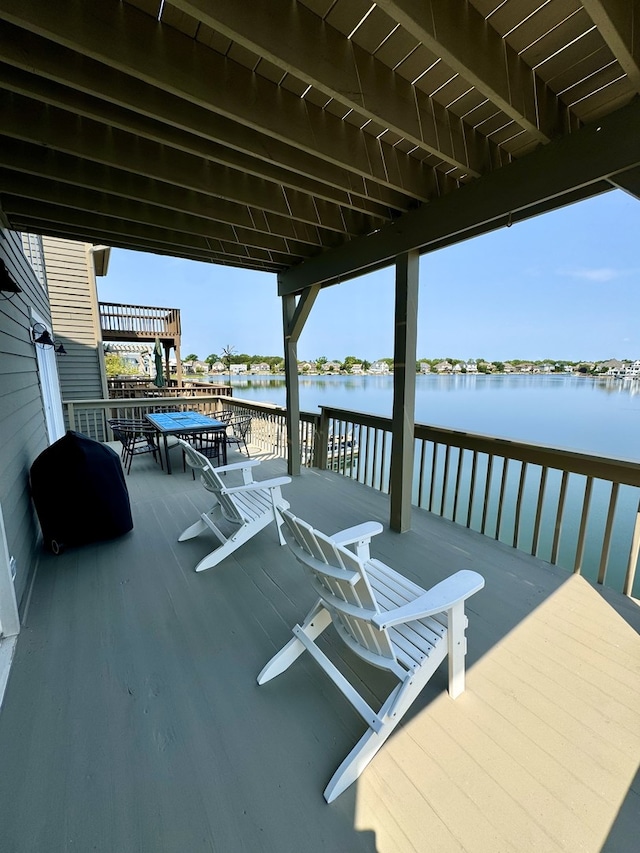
[
  {"x": 574, "y": 510},
  {"x": 121, "y": 322}
]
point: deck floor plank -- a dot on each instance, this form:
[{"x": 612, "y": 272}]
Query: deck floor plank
[{"x": 132, "y": 720}]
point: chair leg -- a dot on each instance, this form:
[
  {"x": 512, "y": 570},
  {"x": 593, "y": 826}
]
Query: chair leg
[
  {"x": 228, "y": 547},
  {"x": 316, "y": 621}
]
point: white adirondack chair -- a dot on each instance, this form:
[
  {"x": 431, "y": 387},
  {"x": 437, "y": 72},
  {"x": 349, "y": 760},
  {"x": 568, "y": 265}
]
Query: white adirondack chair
[
  {"x": 251, "y": 506},
  {"x": 383, "y": 617}
]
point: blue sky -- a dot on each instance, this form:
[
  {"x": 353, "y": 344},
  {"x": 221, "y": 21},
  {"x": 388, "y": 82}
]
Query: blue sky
[{"x": 564, "y": 285}]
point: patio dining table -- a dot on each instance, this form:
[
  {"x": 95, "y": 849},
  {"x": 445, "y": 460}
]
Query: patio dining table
[{"x": 183, "y": 424}]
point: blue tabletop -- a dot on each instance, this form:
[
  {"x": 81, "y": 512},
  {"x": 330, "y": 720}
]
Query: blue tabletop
[{"x": 182, "y": 420}]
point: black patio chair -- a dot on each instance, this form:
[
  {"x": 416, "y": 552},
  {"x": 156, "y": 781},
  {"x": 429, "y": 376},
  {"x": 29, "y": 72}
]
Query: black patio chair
[
  {"x": 136, "y": 437},
  {"x": 238, "y": 429}
]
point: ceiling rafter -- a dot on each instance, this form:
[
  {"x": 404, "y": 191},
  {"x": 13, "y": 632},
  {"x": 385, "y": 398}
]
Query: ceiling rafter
[
  {"x": 70, "y": 172},
  {"x": 474, "y": 50},
  {"x": 22, "y": 118},
  {"x": 585, "y": 158},
  {"x": 259, "y": 135},
  {"x": 84, "y": 86},
  {"x": 618, "y": 22},
  {"x": 337, "y": 66},
  {"x": 112, "y": 33},
  {"x": 80, "y": 199},
  {"x": 114, "y": 227}
]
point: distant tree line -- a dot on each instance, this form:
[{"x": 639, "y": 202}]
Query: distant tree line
[{"x": 322, "y": 364}]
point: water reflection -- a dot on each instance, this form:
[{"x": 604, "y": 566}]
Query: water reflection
[{"x": 595, "y": 415}]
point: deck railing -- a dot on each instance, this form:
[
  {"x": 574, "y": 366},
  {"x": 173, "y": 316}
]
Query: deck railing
[
  {"x": 135, "y": 387},
  {"x": 119, "y": 321},
  {"x": 574, "y": 510}
]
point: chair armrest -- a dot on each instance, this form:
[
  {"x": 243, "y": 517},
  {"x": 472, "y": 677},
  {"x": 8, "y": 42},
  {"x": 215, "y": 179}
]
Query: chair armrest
[
  {"x": 443, "y": 596},
  {"x": 237, "y": 466},
  {"x": 360, "y": 536},
  {"x": 257, "y": 484},
  {"x": 360, "y": 531}
]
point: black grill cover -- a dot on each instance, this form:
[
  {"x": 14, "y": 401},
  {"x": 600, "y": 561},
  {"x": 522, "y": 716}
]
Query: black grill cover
[{"x": 80, "y": 493}]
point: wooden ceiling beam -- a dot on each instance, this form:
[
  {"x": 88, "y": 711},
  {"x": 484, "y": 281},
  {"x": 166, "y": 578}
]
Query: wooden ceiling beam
[
  {"x": 110, "y": 228},
  {"x": 125, "y": 39},
  {"x": 69, "y": 171},
  {"x": 323, "y": 57},
  {"x": 81, "y": 86},
  {"x": 576, "y": 163},
  {"x": 156, "y": 247},
  {"x": 618, "y": 22},
  {"x": 471, "y": 47},
  {"x": 30, "y": 121},
  {"x": 76, "y": 198}
]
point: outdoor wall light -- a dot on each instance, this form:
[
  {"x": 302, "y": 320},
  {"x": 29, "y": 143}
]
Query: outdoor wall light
[{"x": 40, "y": 335}]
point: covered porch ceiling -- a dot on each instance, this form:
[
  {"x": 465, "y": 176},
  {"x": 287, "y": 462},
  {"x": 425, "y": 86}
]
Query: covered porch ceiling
[{"x": 315, "y": 139}]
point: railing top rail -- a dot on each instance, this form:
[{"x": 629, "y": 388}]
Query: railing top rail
[
  {"x": 136, "y": 308},
  {"x": 624, "y": 471}
]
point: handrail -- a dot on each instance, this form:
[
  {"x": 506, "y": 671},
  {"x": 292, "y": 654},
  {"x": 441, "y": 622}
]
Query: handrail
[
  {"x": 146, "y": 320},
  {"x": 575, "y": 510},
  {"x": 572, "y": 509}
]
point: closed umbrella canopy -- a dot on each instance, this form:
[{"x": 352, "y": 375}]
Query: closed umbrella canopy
[{"x": 157, "y": 354}]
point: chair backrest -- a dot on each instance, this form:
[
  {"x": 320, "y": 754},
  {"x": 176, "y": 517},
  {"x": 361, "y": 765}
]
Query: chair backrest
[
  {"x": 240, "y": 426},
  {"x": 212, "y": 481},
  {"x": 340, "y": 579}
]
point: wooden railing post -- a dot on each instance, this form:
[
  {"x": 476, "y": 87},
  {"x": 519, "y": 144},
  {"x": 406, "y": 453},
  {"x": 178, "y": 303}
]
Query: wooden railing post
[{"x": 321, "y": 443}]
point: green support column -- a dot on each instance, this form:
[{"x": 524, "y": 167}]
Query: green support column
[
  {"x": 294, "y": 316},
  {"x": 404, "y": 389}
]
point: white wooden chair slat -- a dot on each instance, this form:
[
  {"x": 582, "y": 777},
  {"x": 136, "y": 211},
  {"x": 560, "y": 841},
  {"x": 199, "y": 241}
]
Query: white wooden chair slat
[
  {"x": 359, "y": 596},
  {"x": 249, "y": 507}
]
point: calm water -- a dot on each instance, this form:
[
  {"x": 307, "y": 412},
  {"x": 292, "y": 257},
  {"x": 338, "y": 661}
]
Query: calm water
[{"x": 599, "y": 416}]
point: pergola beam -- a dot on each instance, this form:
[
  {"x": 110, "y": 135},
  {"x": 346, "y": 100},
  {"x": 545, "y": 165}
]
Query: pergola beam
[{"x": 582, "y": 159}]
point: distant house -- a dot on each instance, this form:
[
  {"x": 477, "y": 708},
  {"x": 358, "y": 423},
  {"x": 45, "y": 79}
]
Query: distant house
[
  {"x": 356, "y": 368},
  {"x": 425, "y": 367},
  {"x": 332, "y": 367},
  {"x": 217, "y": 367},
  {"x": 238, "y": 368},
  {"x": 611, "y": 367},
  {"x": 471, "y": 366},
  {"x": 379, "y": 367},
  {"x": 261, "y": 367},
  {"x": 508, "y": 367}
]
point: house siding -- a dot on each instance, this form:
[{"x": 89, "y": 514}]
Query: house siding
[
  {"x": 75, "y": 318},
  {"x": 23, "y": 432}
]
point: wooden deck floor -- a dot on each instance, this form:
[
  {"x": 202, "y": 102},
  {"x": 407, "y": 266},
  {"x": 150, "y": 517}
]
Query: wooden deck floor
[{"x": 132, "y": 721}]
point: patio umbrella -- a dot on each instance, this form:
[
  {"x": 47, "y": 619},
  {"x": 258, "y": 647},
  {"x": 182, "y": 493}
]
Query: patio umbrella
[{"x": 157, "y": 354}]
